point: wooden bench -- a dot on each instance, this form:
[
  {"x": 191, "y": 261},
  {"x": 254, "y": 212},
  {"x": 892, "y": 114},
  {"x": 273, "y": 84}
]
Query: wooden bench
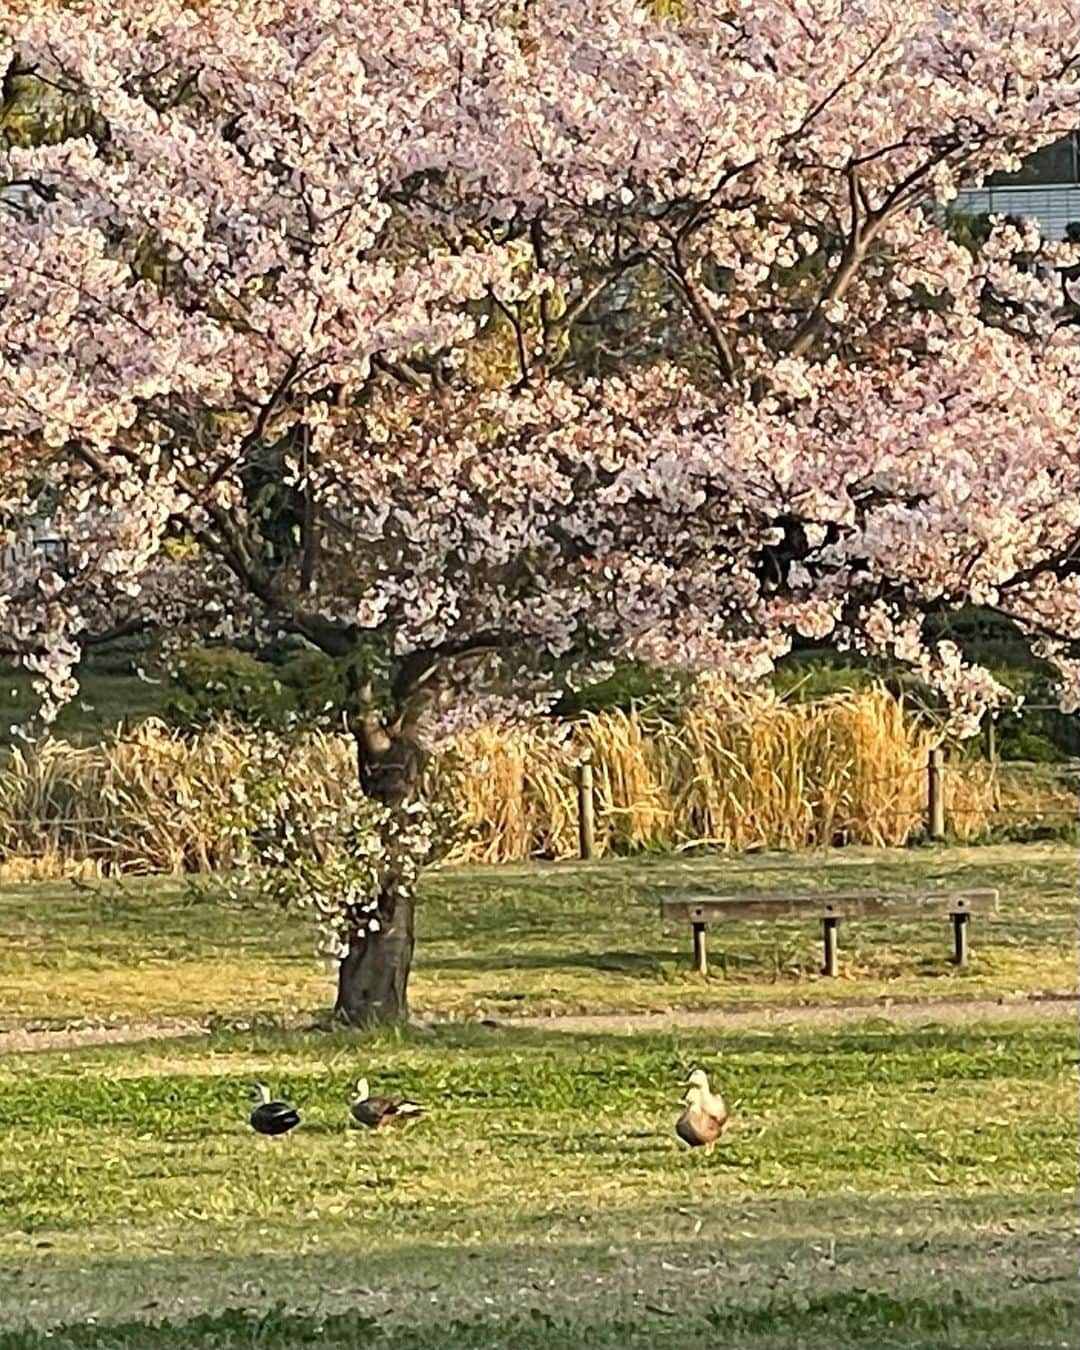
[{"x": 699, "y": 911}]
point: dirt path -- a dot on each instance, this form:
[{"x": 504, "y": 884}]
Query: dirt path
[
  {"x": 949, "y": 1013},
  {"x": 952, "y": 1012},
  {"x": 23, "y": 1040}
]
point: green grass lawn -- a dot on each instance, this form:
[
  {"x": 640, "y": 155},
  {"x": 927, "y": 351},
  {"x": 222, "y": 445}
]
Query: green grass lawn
[
  {"x": 539, "y": 939},
  {"x": 880, "y": 1187},
  {"x": 103, "y": 702}
]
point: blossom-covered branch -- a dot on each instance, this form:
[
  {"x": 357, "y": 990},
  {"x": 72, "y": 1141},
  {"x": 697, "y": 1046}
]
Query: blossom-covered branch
[{"x": 489, "y": 345}]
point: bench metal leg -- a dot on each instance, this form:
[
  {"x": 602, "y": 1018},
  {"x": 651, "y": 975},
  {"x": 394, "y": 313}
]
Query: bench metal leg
[
  {"x": 829, "y": 925},
  {"x": 960, "y": 939},
  {"x": 701, "y": 959}
]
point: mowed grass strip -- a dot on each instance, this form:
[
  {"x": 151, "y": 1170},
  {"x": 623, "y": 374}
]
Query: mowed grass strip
[
  {"x": 543, "y": 938},
  {"x": 878, "y": 1183}
]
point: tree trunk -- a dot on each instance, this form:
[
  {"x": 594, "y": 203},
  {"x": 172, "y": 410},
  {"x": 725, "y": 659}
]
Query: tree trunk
[{"x": 373, "y": 979}]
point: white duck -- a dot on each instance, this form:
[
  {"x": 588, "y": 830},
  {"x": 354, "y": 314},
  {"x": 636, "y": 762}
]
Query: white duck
[{"x": 704, "y": 1116}]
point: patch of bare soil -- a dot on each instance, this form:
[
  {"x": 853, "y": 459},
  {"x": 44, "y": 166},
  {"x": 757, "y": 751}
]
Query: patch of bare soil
[
  {"x": 22, "y": 1040},
  {"x": 953, "y": 1012}
]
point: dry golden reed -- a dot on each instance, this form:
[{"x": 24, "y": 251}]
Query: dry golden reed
[
  {"x": 738, "y": 771},
  {"x": 150, "y": 800}
]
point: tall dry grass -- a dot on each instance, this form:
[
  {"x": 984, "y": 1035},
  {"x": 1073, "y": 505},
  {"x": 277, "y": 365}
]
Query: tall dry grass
[
  {"x": 148, "y": 801},
  {"x": 738, "y": 771}
]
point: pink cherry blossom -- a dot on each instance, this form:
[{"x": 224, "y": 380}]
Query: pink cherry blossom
[{"x": 494, "y": 342}]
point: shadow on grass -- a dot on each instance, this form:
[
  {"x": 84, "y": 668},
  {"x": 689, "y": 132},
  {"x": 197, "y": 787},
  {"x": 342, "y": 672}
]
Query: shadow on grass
[
  {"x": 640, "y": 962},
  {"x": 873, "y": 1037},
  {"x": 847, "y": 1322},
  {"x": 883, "y": 1291}
]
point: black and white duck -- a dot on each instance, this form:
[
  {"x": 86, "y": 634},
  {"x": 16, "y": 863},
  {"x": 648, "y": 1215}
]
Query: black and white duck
[
  {"x": 704, "y": 1115},
  {"x": 375, "y": 1112},
  {"x": 270, "y": 1117}
]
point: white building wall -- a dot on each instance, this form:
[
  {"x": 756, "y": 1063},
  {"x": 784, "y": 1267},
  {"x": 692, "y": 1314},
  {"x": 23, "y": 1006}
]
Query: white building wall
[{"x": 1054, "y": 206}]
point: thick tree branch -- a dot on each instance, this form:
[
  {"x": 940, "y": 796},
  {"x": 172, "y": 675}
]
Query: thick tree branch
[
  {"x": 1065, "y": 562},
  {"x": 401, "y": 371},
  {"x": 309, "y": 530},
  {"x": 519, "y": 338},
  {"x": 128, "y": 628},
  {"x": 539, "y": 248},
  {"x": 418, "y": 667},
  {"x": 725, "y": 356},
  {"x": 861, "y": 232}
]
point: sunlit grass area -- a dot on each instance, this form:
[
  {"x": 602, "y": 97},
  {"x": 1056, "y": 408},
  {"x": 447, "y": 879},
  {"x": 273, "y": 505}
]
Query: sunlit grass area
[
  {"x": 880, "y": 1186},
  {"x": 543, "y": 938}
]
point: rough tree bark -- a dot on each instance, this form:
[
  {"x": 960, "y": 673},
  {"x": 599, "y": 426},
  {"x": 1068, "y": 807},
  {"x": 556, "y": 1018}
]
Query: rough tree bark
[{"x": 373, "y": 978}]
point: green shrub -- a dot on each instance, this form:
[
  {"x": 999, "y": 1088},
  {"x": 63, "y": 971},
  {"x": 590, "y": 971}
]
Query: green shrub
[
  {"x": 630, "y": 686},
  {"x": 210, "y": 683},
  {"x": 314, "y": 681}
]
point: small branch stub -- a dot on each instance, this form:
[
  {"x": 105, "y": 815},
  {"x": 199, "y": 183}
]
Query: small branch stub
[
  {"x": 991, "y": 740},
  {"x": 586, "y": 811}
]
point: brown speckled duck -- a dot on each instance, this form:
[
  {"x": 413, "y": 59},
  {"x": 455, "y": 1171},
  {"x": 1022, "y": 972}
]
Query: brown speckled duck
[
  {"x": 375, "y": 1112},
  {"x": 705, "y": 1115}
]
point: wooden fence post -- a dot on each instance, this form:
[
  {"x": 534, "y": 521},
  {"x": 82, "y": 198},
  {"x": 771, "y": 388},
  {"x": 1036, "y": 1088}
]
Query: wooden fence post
[
  {"x": 991, "y": 740},
  {"x": 586, "y": 811},
  {"x": 935, "y": 794},
  {"x": 829, "y": 925},
  {"x": 960, "y": 939},
  {"x": 701, "y": 955}
]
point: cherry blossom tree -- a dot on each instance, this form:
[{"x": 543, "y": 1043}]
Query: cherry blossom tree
[{"x": 492, "y": 342}]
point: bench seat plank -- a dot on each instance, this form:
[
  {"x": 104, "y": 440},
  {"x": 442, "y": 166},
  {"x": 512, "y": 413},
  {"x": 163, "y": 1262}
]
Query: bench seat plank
[{"x": 698, "y": 909}]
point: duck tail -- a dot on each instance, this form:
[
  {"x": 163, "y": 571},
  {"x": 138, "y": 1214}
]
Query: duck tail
[{"x": 409, "y": 1109}]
